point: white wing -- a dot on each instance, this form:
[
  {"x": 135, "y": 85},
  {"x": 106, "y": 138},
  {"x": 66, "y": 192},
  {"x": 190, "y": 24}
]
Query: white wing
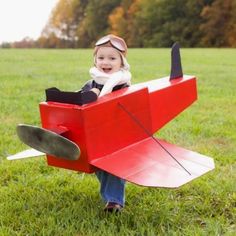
[{"x": 25, "y": 154}]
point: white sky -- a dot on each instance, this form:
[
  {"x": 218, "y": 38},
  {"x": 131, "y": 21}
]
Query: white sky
[{"x": 22, "y": 18}]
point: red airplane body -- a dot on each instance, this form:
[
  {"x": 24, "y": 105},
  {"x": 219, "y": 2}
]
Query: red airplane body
[{"x": 115, "y": 133}]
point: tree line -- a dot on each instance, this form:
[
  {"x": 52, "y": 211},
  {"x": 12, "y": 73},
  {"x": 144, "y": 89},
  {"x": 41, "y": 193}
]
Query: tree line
[{"x": 142, "y": 23}]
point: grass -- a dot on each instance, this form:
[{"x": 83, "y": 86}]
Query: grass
[{"x": 36, "y": 199}]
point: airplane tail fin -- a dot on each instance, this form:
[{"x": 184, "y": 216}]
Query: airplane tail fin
[{"x": 176, "y": 67}]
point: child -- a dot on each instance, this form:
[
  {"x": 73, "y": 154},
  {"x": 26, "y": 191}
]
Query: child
[
  {"x": 110, "y": 73},
  {"x": 111, "y": 70}
]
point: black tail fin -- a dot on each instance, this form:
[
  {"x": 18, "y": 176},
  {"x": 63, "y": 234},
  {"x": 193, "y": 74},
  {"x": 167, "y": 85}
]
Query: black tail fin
[{"x": 176, "y": 68}]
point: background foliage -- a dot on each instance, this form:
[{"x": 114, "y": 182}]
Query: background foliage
[{"x": 142, "y": 23}]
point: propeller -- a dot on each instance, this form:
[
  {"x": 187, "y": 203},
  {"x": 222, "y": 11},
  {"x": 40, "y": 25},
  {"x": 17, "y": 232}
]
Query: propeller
[{"x": 48, "y": 142}]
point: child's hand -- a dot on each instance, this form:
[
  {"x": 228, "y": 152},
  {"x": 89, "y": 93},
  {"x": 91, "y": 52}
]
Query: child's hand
[{"x": 95, "y": 90}]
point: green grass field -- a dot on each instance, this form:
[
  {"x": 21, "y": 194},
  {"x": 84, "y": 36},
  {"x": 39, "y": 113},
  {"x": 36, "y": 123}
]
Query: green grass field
[{"x": 36, "y": 199}]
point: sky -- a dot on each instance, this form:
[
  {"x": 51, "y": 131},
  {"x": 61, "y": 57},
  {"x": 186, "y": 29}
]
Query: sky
[{"x": 23, "y": 18}]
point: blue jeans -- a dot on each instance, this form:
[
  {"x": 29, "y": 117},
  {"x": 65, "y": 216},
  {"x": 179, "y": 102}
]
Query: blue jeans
[{"x": 112, "y": 188}]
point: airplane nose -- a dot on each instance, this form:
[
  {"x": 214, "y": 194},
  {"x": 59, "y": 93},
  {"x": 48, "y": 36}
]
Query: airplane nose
[{"x": 48, "y": 142}]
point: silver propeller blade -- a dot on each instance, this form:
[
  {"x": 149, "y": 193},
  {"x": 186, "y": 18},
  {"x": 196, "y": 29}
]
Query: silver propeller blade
[{"x": 48, "y": 142}]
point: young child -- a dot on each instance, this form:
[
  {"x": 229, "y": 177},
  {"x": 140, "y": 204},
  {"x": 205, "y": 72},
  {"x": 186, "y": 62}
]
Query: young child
[{"x": 110, "y": 73}]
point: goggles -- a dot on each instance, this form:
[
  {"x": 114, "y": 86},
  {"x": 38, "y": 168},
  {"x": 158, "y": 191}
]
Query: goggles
[{"x": 115, "y": 41}]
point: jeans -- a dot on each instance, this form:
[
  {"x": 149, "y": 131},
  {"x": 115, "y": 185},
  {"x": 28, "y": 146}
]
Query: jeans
[{"x": 112, "y": 188}]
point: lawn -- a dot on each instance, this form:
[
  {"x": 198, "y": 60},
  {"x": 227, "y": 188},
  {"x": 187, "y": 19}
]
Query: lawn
[{"x": 36, "y": 199}]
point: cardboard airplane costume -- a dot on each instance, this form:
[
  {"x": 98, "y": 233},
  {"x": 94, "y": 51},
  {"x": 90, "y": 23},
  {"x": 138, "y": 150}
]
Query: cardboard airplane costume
[{"x": 115, "y": 132}]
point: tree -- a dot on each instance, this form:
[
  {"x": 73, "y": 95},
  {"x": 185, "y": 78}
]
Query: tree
[
  {"x": 65, "y": 19},
  {"x": 122, "y": 22},
  {"x": 142, "y": 23},
  {"x": 51, "y": 41},
  {"x": 163, "y": 22},
  {"x": 231, "y": 32},
  {"x": 95, "y": 23},
  {"x": 159, "y": 23},
  {"x": 219, "y": 27}
]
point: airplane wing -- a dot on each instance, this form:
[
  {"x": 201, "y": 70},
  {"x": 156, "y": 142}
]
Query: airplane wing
[
  {"x": 26, "y": 154},
  {"x": 147, "y": 163}
]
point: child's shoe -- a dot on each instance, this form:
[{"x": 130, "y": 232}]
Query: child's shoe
[{"x": 113, "y": 207}]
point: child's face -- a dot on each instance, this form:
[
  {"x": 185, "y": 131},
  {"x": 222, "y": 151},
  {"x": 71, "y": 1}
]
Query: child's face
[{"x": 108, "y": 60}]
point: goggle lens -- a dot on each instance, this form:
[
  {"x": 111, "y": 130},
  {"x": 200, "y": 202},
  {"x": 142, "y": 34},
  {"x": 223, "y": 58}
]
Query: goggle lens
[{"x": 118, "y": 44}]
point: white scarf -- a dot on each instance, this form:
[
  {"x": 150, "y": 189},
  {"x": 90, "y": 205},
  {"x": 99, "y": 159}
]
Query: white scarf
[{"x": 110, "y": 80}]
